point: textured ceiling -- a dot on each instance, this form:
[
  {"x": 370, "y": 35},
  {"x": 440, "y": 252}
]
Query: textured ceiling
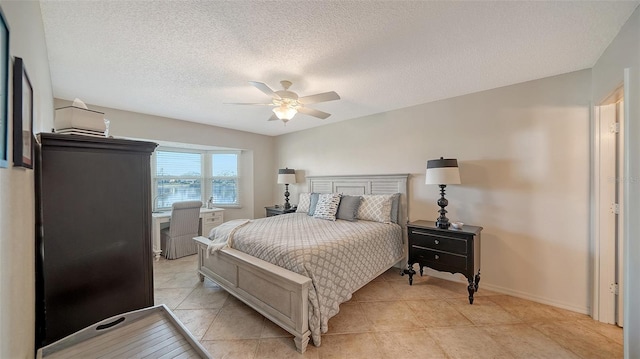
[{"x": 186, "y": 59}]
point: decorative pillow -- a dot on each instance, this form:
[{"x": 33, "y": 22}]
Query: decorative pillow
[
  {"x": 376, "y": 208},
  {"x": 395, "y": 203},
  {"x": 313, "y": 201},
  {"x": 327, "y": 206},
  {"x": 348, "y": 208},
  {"x": 303, "y": 202}
]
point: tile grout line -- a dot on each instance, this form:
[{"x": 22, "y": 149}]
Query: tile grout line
[
  {"x": 435, "y": 340},
  {"x": 611, "y": 341},
  {"x": 555, "y": 341}
]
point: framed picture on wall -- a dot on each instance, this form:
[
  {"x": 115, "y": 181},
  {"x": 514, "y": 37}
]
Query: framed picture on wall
[
  {"x": 22, "y": 116},
  {"x": 4, "y": 91}
]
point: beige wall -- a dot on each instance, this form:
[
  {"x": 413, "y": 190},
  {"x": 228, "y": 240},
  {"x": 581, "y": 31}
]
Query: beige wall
[
  {"x": 256, "y": 177},
  {"x": 17, "y": 223},
  {"x": 608, "y": 73},
  {"x": 523, "y": 152},
  {"x": 524, "y": 157}
]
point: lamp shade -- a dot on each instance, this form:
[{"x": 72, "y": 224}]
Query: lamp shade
[
  {"x": 286, "y": 176},
  {"x": 443, "y": 171}
]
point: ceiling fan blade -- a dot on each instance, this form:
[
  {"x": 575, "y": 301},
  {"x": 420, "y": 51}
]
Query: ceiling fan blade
[
  {"x": 314, "y": 113},
  {"x": 245, "y": 103},
  {"x": 264, "y": 88},
  {"x": 273, "y": 118},
  {"x": 321, "y": 97}
]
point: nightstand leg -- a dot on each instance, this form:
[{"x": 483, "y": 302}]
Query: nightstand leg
[
  {"x": 421, "y": 269},
  {"x": 410, "y": 272},
  {"x": 477, "y": 280},
  {"x": 471, "y": 289}
]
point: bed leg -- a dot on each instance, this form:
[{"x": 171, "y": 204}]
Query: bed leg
[
  {"x": 201, "y": 277},
  {"x": 301, "y": 343}
]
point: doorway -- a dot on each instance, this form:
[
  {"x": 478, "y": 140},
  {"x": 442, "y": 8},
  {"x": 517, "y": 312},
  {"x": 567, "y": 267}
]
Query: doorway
[{"x": 608, "y": 218}]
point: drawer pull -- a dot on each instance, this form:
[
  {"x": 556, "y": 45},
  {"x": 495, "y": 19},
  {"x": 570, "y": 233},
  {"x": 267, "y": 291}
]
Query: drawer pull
[
  {"x": 437, "y": 241},
  {"x": 437, "y": 256}
]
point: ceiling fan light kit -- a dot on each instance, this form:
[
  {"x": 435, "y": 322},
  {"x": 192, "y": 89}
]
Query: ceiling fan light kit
[
  {"x": 287, "y": 103},
  {"x": 285, "y": 112}
]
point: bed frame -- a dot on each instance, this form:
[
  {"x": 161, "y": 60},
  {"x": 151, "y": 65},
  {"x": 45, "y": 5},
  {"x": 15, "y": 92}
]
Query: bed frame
[{"x": 275, "y": 292}]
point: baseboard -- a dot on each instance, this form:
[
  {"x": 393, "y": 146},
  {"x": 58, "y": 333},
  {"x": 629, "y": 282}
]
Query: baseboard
[
  {"x": 534, "y": 298},
  {"x": 515, "y": 293}
]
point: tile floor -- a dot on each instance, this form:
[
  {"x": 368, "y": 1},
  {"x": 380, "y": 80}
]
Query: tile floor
[{"x": 389, "y": 319}]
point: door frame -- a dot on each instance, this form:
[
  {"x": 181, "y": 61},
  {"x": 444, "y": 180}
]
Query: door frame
[{"x": 632, "y": 211}]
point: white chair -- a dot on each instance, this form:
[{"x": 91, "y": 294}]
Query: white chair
[{"x": 177, "y": 240}]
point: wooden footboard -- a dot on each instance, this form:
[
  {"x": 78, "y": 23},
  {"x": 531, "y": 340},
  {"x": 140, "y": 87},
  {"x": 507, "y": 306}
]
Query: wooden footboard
[{"x": 277, "y": 293}]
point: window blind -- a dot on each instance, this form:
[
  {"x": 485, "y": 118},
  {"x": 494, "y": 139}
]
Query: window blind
[
  {"x": 224, "y": 179},
  {"x": 178, "y": 164},
  {"x": 187, "y": 175}
]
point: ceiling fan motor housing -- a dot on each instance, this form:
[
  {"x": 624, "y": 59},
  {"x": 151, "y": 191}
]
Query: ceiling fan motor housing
[
  {"x": 287, "y": 98},
  {"x": 285, "y": 84}
]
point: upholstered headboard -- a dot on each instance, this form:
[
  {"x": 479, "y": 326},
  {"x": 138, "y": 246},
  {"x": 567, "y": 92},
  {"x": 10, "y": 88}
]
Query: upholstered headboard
[{"x": 365, "y": 184}]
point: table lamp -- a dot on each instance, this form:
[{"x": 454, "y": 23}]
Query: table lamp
[
  {"x": 286, "y": 176},
  {"x": 442, "y": 172}
]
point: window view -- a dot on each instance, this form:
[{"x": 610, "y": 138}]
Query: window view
[
  {"x": 178, "y": 177},
  {"x": 194, "y": 176},
  {"x": 224, "y": 181}
]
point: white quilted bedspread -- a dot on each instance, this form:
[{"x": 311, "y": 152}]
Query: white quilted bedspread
[{"x": 339, "y": 257}]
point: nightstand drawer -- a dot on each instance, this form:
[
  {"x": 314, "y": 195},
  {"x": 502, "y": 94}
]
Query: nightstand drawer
[
  {"x": 437, "y": 258},
  {"x": 210, "y": 220},
  {"x": 212, "y": 215},
  {"x": 441, "y": 243},
  {"x": 213, "y": 219}
]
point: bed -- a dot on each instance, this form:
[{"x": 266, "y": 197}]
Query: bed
[{"x": 301, "y": 290}]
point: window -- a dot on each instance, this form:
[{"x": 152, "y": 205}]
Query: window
[
  {"x": 191, "y": 175},
  {"x": 177, "y": 178},
  {"x": 224, "y": 179}
]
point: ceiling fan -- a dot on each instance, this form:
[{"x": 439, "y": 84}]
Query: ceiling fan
[{"x": 287, "y": 103}]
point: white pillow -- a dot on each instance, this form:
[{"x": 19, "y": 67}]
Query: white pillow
[
  {"x": 376, "y": 208},
  {"x": 327, "y": 206},
  {"x": 303, "y": 202}
]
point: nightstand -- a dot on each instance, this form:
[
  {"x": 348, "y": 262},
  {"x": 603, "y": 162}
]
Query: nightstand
[
  {"x": 276, "y": 211},
  {"x": 448, "y": 250},
  {"x": 209, "y": 219}
]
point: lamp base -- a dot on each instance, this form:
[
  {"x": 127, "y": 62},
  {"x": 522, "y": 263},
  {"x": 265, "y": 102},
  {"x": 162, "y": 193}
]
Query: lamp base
[
  {"x": 442, "y": 222},
  {"x": 286, "y": 197}
]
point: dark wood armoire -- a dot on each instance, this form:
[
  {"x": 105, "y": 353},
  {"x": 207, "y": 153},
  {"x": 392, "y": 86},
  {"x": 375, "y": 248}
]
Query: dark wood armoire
[{"x": 93, "y": 231}]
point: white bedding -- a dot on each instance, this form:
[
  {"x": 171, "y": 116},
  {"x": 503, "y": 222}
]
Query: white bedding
[
  {"x": 339, "y": 257},
  {"x": 222, "y": 235}
]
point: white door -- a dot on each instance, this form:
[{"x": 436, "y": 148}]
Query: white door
[
  {"x": 605, "y": 219},
  {"x": 609, "y": 219},
  {"x": 620, "y": 216}
]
